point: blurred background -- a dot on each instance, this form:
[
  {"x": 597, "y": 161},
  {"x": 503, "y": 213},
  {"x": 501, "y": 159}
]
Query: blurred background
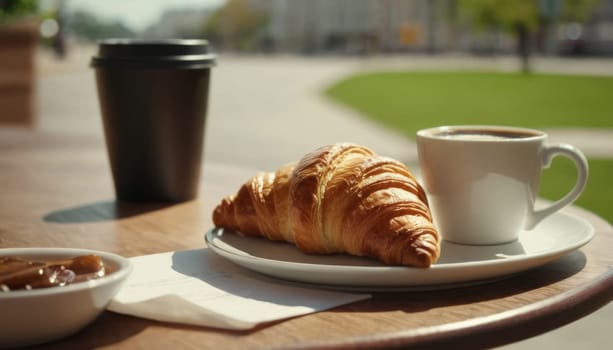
[
  {"x": 38, "y": 36},
  {"x": 350, "y": 27},
  {"x": 316, "y": 28},
  {"x": 369, "y": 71}
]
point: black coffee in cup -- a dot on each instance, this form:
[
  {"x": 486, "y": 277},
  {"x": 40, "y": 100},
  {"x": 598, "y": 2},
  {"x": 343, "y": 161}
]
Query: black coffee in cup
[
  {"x": 486, "y": 134},
  {"x": 153, "y": 100}
]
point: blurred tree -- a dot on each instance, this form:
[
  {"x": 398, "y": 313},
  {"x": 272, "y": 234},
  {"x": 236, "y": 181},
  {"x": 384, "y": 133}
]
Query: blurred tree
[
  {"x": 10, "y": 9},
  {"x": 522, "y": 17},
  {"x": 236, "y": 26},
  {"x": 577, "y": 10}
]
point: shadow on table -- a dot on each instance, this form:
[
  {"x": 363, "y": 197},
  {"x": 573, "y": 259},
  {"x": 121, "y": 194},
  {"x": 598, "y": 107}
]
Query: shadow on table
[
  {"x": 108, "y": 329},
  {"x": 412, "y": 302},
  {"x": 103, "y": 211}
]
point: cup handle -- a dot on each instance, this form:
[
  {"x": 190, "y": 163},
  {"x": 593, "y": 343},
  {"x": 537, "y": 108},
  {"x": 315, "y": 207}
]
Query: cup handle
[{"x": 548, "y": 153}]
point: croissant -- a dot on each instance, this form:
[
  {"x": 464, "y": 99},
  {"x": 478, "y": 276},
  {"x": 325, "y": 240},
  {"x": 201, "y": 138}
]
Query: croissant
[{"x": 341, "y": 198}]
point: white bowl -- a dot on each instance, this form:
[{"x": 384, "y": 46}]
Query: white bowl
[{"x": 29, "y": 317}]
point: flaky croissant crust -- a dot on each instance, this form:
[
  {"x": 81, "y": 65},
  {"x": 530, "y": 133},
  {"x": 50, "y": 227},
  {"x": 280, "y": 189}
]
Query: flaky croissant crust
[{"x": 341, "y": 198}]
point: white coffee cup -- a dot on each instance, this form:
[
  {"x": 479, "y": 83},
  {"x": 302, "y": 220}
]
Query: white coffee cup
[{"x": 482, "y": 181}]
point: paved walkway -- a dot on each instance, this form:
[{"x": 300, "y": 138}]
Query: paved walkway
[{"x": 263, "y": 109}]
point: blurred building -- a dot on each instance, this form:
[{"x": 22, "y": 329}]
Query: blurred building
[
  {"x": 594, "y": 37},
  {"x": 382, "y": 26},
  {"x": 346, "y": 26},
  {"x": 362, "y": 26}
]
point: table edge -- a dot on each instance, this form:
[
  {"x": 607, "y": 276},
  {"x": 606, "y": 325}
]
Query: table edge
[{"x": 493, "y": 330}]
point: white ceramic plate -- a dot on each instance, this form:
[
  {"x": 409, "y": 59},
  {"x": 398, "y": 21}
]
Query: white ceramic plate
[{"x": 458, "y": 265}]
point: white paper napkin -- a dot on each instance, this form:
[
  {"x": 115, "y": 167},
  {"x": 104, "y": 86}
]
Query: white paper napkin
[{"x": 197, "y": 287}]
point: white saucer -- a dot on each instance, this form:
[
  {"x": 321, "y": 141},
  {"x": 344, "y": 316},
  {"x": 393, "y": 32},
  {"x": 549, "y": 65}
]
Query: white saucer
[{"x": 458, "y": 265}]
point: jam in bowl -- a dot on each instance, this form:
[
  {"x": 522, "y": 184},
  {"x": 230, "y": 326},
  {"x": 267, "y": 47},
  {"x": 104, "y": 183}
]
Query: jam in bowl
[
  {"x": 18, "y": 273},
  {"x": 63, "y": 289}
]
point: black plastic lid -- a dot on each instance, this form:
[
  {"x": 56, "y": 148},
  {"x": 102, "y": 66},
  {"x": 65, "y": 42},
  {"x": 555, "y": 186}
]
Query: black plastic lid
[{"x": 169, "y": 53}]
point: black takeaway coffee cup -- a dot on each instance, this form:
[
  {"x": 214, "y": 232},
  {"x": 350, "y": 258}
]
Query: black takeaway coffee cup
[{"x": 153, "y": 99}]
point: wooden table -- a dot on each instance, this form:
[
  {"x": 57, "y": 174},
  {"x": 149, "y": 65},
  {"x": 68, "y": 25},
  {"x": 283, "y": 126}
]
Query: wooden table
[{"x": 56, "y": 190}]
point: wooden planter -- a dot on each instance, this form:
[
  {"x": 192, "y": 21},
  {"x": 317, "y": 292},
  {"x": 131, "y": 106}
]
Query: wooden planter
[{"x": 17, "y": 73}]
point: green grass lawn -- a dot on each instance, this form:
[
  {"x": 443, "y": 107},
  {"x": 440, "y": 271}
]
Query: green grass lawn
[{"x": 409, "y": 101}]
